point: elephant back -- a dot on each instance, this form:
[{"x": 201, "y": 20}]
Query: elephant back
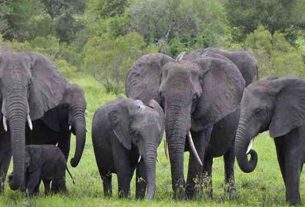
[{"x": 143, "y": 79}]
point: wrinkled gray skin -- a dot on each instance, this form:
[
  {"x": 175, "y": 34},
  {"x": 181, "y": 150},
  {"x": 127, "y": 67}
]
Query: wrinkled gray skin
[
  {"x": 195, "y": 94},
  {"x": 123, "y": 130},
  {"x": 276, "y": 105},
  {"x": 223, "y": 133},
  {"x": 53, "y": 127},
  {"x": 29, "y": 86},
  {"x": 46, "y": 163},
  {"x": 245, "y": 62}
]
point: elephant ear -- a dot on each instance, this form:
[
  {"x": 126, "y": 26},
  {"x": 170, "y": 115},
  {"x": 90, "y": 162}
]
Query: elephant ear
[
  {"x": 119, "y": 119},
  {"x": 144, "y": 78},
  {"x": 47, "y": 88},
  {"x": 289, "y": 111},
  {"x": 222, "y": 89},
  {"x": 154, "y": 105}
]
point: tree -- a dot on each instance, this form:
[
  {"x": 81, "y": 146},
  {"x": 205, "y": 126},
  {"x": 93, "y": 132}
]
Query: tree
[{"x": 275, "y": 15}]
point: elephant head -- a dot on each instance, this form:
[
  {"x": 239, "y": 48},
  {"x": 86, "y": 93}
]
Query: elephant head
[
  {"x": 244, "y": 61},
  {"x": 30, "y": 85},
  {"x": 272, "y": 104},
  {"x": 74, "y": 100},
  {"x": 135, "y": 124},
  {"x": 195, "y": 94}
]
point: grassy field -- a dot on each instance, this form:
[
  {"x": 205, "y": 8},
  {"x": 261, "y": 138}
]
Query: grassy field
[{"x": 263, "y": 187}]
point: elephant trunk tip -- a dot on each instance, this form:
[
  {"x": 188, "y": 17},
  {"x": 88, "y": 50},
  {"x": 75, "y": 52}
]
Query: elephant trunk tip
[{"x": 252, "y": 162}]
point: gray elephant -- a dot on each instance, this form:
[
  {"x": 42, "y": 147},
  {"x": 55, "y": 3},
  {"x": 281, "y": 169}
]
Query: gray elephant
[
  {"x": 195, "y": 94},
  {"x": 223, "y": 133},
  {"x": 245, "y": 62},
  {"x": 57, "y": 124},
  {"x": 276, "y": 105},
  {"x": 125, "y": 136},
  {"x": 30, "y": 86},
  {"x": 46, "y": 163}
]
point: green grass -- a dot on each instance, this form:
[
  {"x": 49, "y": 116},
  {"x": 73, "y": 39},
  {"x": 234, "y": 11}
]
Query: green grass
[{"x": 263, "y": 187}]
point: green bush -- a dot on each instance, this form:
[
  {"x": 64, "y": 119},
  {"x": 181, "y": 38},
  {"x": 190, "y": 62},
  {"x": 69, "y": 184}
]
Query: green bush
[
  {"x": 275, "y": 55},
  {"x": 110, "y": 59}
]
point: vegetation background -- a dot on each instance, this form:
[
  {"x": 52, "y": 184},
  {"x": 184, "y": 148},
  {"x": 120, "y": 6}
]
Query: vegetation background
[{"x": 95, "y": 42}]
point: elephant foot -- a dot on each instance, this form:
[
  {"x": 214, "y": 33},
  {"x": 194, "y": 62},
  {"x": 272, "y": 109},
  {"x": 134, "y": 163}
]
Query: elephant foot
[
  {"x": 231, "y": 194},
  {"x": 179, "y": 193},
  {"x": 294, "y": 202}
]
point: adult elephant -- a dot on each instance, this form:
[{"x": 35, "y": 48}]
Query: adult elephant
[
  {"x": 277, "y": 105},
  {"x": 245, "y": 62},
  {"x": 223, "y": 133},
  {"x": 195, "y": 94},
  {"x": 57, "y": 124},
  {"x": 30, "y": 85}
]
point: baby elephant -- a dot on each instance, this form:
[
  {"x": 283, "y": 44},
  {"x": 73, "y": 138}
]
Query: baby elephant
[
  {"x": 46, "y": 163},
  {"x": 125, "y": 135}
]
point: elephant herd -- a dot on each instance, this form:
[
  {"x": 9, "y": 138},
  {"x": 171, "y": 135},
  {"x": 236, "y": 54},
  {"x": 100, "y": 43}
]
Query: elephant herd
[{"x": 207, "y": 101}]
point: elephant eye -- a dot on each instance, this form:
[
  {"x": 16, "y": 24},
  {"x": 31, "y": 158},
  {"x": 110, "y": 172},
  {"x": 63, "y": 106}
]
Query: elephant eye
[
  {"x": 258, "y": 111},
  {"x": 195, "y": 97}
]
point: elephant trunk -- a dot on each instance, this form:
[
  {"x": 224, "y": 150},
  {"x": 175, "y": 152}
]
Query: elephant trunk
[
  {"x": 241, "y": 144},
  {"x": 150, "y": 165},
  {"x": 79, "y": 125},
  {"x": 176, "y": 129},
  {"x": 17, "y": 111}
]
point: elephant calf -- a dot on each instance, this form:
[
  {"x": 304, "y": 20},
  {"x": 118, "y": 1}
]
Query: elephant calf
[
  {"x": 125, "y": 135},
  {"x": 46, "y": 163}
]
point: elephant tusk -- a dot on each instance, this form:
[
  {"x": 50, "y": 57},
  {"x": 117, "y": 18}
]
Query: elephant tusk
[
  {"x": 193, "y": 148},
  {"x": 70, "y": 127},
  {"x": 165, "y": 149},
  {"x": 158, "y": 160},
  {"x": 250, "y": 146},
  {"x": 139, "y": 160},
  {"x": 30, "y": 122},
  {"x": 4, "y": 123}
]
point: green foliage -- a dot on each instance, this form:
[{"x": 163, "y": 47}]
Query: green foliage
[
  {"x": 110, "y": 59},
  {"x": 247, "y": 15},
  {"x": 275, "y": 55},
  {"x": 194, "y": 23}
]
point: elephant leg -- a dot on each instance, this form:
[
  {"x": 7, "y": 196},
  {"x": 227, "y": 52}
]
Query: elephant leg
[
  {"x": 46, "y": 184},
  {"x": 194, "y": 177},
  {"x": 64, "y": 144},
  {"x": 122, "y": 167},
  {"x": 59, "y": 185},
  {"x": 293, "y": 165},
  {"x": 140, "y": 180},
  {"x": 5, "y": 158},
  {"x": 107, "y": 184},
  {"x": 207, "y": 175},
  {"x": 280, "y": 156},
  {"x": 33, "y": 180},
  {"x": 36, "y": 189},
  {"x": 229, "y": 159}
]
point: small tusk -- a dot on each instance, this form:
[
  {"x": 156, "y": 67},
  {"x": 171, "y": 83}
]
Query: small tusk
[
  {"x": 70, "y": 127},
  {"x": 250, "y": 146},
  {"x": 4, "y": 123},
  {"x": 139, "y": 160},
  {"x": 193, "y": 148},
  {"x": 158, "y": 160},
  {"x": 30, "y": 122},
  {"x": 165, "y": 149}
]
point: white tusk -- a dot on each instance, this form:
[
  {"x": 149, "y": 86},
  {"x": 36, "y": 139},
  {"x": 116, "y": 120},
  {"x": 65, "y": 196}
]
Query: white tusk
[
  {"x": 30, "y": 122},
  {"x": 158, "y": 160},
  {"x": 250, "y": 146},
  {"x": 139, "y": 160},
  {"x": 193, "y": 148},
  {"x": 4, "y": 123},
  {"x": 165, "y": 149},
  {"x": 70, "y": 127}
]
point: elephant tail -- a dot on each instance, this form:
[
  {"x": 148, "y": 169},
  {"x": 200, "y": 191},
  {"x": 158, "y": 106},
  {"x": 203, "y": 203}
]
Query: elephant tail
[{"x": 70, "y": 175}]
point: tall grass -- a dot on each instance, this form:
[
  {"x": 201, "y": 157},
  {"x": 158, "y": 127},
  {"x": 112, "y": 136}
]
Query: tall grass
[{"x": 263, "y": 187}]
